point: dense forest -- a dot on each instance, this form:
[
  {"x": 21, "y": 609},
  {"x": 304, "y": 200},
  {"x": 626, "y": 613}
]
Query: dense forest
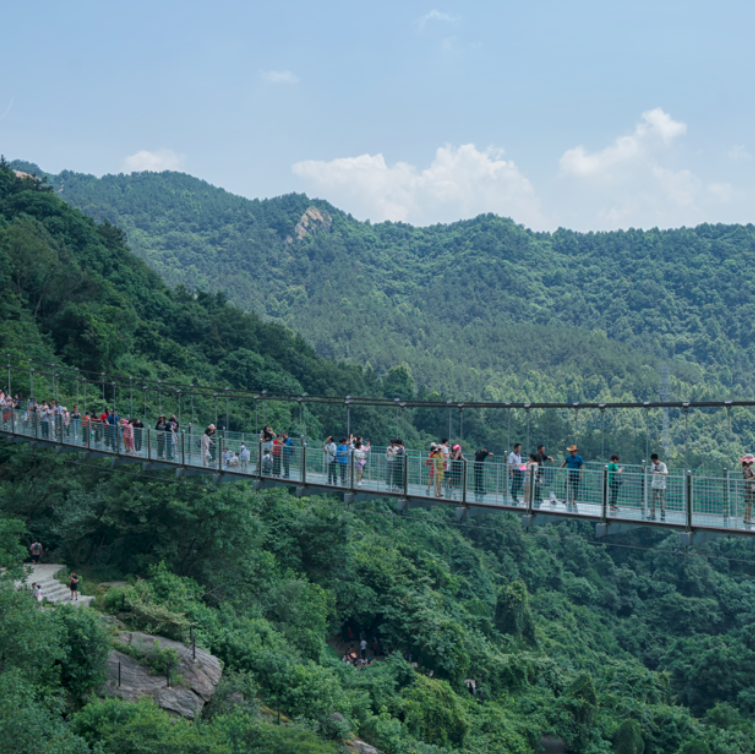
[
  {"x": 631, "y": 647},
  {"x": 480, "y": 308}
]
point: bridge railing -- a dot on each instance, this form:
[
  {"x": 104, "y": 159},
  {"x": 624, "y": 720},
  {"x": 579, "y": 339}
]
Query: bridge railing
[{"x": 720, "y": 501}]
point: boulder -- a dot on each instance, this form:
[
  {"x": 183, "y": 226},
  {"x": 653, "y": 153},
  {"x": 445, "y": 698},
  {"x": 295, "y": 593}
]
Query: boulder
[{"x": 192, "y": 682}]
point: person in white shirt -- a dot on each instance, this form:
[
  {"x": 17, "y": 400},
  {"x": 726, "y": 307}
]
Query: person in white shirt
[
  {"x": 515, "y": 472},
  {"x": 658, "y": 474},
  {"x": 391, "y": 452},
  {"x": 360, "y": 460},
  {"x": 244, "y": 456},
  {"x": 329, "y": 448}
]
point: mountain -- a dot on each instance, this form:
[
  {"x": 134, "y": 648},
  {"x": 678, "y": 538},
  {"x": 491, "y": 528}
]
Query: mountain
[
  {"x": 626, "y": 648},
  {"x": 479, "y": 308}
]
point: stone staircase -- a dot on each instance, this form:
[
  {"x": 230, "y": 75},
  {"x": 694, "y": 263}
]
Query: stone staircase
[{"x": 53, "y": 591}]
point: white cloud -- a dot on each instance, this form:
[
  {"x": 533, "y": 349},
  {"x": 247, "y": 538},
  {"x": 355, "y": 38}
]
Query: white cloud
[
  {"x": 436, "y": 15},
  {"x": 460, "y": 182},
  {"x": 739, "y": 153},
  {"x": 656, "y": 127},
  {"x": 636, "y": 180},
  {"x": 279, "y": 77},
  {"x": 162, "y": 159}
]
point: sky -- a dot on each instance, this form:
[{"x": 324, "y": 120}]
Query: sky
[{"x": 587, "y": 115}]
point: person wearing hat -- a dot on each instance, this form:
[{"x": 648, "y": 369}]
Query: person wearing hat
[
  {"x": 574, "y": 465},
  {"x": 748, "y": 474}
]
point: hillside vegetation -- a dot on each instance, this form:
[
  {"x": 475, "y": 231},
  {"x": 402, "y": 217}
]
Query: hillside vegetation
[
  {"x": 608, "y": 648},
  {"x": 479, "y": 308}
]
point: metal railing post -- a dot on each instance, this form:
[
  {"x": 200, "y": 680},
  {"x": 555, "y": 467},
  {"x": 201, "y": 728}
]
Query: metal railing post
[
  {"x": 726, "y": 496},
  {"x": 352, "y": 482},
  {"x": 645, "y": 488},
  {"x": 259, "y": 460},
  {"x": 406, "y": 474},
  {"x": 183, "y": 448},
  {"x": 303, "y": 474},
  {"x": 531, "y": 490},
  {"x": 689, "y": 500},
  {"x": 605, "y": 495},
  {"x": 149, "y": 444},
  {"x": 220, "y": 454},
  {"x": 464, "y": 482}
]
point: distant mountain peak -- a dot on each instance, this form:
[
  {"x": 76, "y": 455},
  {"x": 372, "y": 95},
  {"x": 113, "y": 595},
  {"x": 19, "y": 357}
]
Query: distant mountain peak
[{"x": 312, "y": 221}]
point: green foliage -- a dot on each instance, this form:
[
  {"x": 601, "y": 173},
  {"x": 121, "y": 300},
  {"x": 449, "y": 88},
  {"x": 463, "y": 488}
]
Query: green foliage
[
  {"x": 512, "y": 612},
  {"x": 28, "y": 725},
  {"x": 85, "y": 644},
  {"x": 435, "y": 714},
  {"x": 628, "y": 738}
]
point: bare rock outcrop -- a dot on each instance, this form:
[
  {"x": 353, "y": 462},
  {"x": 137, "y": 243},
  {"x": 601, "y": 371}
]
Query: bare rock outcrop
[
  {"x": 192, "y": 682},
  {"x": 312, "y": 221}
]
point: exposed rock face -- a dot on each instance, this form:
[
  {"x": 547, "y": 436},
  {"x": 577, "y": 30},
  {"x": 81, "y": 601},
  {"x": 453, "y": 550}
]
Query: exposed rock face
[
  {"x": 193, "y": 682},
  {"x": 312, "y": 221}
]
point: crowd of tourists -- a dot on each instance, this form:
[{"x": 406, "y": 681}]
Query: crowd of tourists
[{"x": 529, "y": 475}]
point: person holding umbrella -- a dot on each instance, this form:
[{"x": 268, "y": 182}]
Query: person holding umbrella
[{"x": 748, "y": 474}]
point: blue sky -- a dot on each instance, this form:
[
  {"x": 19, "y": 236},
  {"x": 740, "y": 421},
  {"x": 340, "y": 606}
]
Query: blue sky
[{"x": 590, "y": 115}]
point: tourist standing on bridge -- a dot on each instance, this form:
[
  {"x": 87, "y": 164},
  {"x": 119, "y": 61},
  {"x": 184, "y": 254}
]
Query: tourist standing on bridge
[
  {"x": 574, "y": 464},
  {"x": 399, "y": 465},
  {"x": 614, "y": 481},
  {"x": 440, "y": 469},
  {"x": 390, "y": 461},
  {"x": 342, "y": 458},
  {"x": 748, "y": 474},
  {"x": 431, "y": 466},
  {"x": 479, "y": 470},
  {"x": 138, "y": 426},
  {"x": 542, "y": 479},
  {"x": 208, "y": 446},
  {"x": 457, "y": 469},
  {"x": 44, "y": 420},
  {"x": 75, "y": 421},
  {"x": 515, "y": 472},
  {"x": 287, "y": 449},
  {"x": 360, "y": 459},
  {"x": 658, "y": 474},
  {"x": 161, "y": 428},
  {"x": 331, "y": 467}
]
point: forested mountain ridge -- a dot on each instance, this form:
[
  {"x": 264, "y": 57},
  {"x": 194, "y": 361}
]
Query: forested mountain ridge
[
  {"x": 481, "y": 307},
  {"x": 609, "y": 649}
]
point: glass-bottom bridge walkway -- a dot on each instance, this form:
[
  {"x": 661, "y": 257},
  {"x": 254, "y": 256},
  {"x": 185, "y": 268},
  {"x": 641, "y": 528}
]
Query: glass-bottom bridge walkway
[{"x": 700, "y": 505}]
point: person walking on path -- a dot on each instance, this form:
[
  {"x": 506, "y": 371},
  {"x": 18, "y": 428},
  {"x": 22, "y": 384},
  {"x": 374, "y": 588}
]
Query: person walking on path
[
  {"x": 479, "y": 470},
  {"x": 748, "y": 474},
  {"x": 614, "y": 481},
  {"x": 658, "y": 474},
  {"x": 574, "y": 464},
  {"x": 530, "y": 479},
  {"x": 35, "y": 549},
  {"x": 515, "y": 472},
  {"x": 329, "y": 448},
  {"x": 73, "y": 584}
]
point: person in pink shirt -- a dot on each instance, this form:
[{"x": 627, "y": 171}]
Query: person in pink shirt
[{"x": 128, "y": 436}]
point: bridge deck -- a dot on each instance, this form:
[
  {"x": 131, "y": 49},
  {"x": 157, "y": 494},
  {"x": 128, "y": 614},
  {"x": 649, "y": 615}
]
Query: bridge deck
[{"x": 700, "y": 507}]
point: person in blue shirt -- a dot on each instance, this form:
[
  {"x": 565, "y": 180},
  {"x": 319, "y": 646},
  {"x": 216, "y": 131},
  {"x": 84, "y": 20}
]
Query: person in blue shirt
[
  {"x": 342, "y": 458},
  {"x": 574, "y": 465},
  {"x": 288, "y": 451}
]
